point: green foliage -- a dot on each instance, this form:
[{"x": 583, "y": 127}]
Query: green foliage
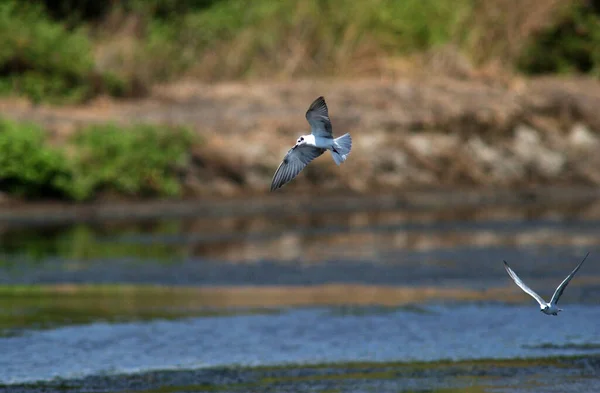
[
  {"x": 136, "y": 161},
  {"x": 73, "y": 50},
  {"x": 44, "y": 61},
  {"x": 39, "y": 58},
  {"x": 327, "y": 34},
  {"x": 50, "y": 47},
  {"x": 569, "y": 45},
  {"x": 141, "y": 160},
  {"x": 28, "y": 166}
]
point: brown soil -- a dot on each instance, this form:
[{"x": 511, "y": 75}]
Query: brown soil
[{"x": 407, "y": 134}]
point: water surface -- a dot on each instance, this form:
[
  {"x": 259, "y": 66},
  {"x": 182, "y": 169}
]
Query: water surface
[{"x": 182, "y": 304}]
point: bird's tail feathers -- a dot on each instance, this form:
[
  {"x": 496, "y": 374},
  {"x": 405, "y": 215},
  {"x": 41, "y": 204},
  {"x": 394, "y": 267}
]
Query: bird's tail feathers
[{"x": 343, "y": 145}]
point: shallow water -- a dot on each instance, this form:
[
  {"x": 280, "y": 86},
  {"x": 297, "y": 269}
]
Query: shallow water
[
  {"x": 301, "y": 336},
  {"x": 227, "y": 292}
]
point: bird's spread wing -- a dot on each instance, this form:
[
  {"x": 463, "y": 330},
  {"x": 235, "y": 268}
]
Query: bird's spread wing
[
  {"x": 318, "y": 118},
  {"x": 522, "y": 285},
  {"x": 559, "y": 290},
  {"x": 294, "y": 161}
]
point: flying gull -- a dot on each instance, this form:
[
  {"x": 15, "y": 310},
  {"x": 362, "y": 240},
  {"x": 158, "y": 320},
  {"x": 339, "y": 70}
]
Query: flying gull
[
  {"x": 309, "y": 147},
  {"x": 547, "y": 308}
]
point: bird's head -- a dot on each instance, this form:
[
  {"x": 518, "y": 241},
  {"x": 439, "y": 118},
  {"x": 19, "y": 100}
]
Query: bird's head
[{"x": 301, "y": 141}]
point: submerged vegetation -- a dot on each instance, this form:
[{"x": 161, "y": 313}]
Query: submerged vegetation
[
  {"x": 70, "y": 51},
  {"x": 50, "y": 306},
  {"x": 139, "y": 160}
]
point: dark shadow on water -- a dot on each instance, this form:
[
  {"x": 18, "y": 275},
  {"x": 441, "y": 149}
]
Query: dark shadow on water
[
  {"x": 350, "y": 310},
  {"x": 579, "y": 347}
]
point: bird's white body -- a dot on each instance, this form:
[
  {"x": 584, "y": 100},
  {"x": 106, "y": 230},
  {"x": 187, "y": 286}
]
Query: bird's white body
[
  {"x": 317, "y": 141},
  {"x": 550, "y": 308}
]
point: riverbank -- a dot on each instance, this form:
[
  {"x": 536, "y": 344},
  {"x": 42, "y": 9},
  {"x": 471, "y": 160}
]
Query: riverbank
[{"x": 413, "y": 134}]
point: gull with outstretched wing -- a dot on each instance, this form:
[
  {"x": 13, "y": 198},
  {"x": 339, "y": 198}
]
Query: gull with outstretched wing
[{"x": 547, "y": 308}]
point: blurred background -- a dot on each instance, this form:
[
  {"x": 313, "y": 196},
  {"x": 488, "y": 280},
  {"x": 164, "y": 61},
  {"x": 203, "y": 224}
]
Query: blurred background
[{"x": 138, "y": 140}]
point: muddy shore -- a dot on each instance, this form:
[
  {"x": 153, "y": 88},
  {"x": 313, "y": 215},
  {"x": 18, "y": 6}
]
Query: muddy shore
[
  {"x": 414, "y": 134},
  {"x": 468, "y": 376}
]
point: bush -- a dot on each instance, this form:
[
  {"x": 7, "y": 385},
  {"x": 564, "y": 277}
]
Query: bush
[
  {"x": 39, "y": 58},
  {"x": 141, "y": 160},
  {"x": 568, "y": 45},
  {"x": 44, "y": 61},
  {"x": 28, "y": 166}
]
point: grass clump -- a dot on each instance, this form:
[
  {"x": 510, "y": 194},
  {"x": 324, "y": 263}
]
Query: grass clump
[
  {"x": 61, "y": 50},
  {"x": 39, "y": 58},
  {"x": 139, "y": 161},
  {"x": 29, "y": 167},
  {"x": 43, "y": 60},
  {"x": 312, "y": 37}
]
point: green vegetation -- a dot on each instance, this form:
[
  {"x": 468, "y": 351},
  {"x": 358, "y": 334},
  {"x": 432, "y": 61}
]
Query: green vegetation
[
  {"x": 568, "y": 46},
  {"x": 43, "y": 307},
  {"x": 28, "y": 165},
  {"x": 139, "y": 160},
  {"x": 70, "y": 51},
  {"x": 142, "y": 160},
  {"x": 41, "y": 59}
]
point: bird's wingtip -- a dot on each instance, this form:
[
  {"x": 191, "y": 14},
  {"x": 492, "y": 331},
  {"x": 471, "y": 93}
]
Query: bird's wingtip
[
  {"x": 584, "y": 258},
  {"x": 319, "y": 102}
]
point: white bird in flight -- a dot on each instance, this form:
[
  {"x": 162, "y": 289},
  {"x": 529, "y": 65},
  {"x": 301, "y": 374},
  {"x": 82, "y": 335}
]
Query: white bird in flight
[
  {"x": 547, "y": 308},
  {"x": 309, "y": 147}
]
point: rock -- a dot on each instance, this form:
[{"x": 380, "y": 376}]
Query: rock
[
  {"x": 581, "y": 137},
  {"x": 501, "y": 168},
  {"x": 482, "y": 151},
  {"x": 422, "y": 144},
  {"x": 529, "y": 146}
]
